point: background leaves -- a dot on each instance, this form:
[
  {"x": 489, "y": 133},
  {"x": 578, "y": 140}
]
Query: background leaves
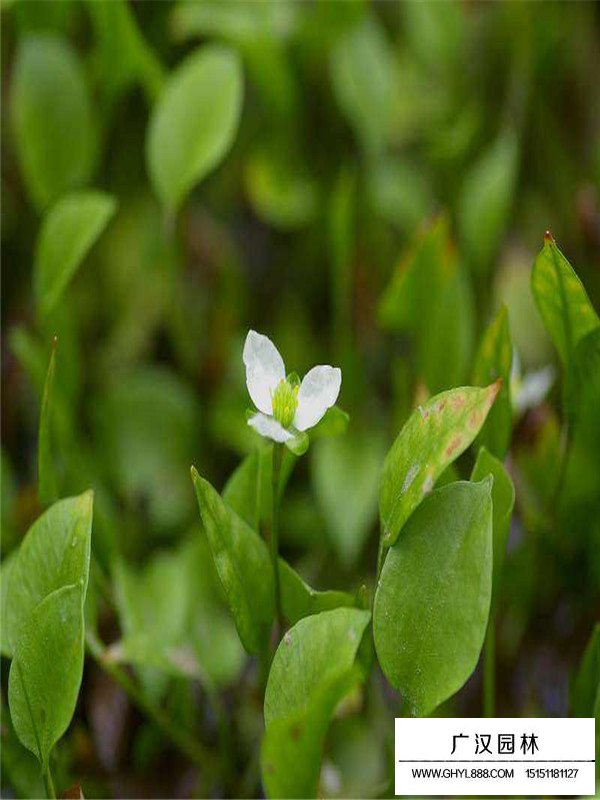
[
  {"x": 194, "y": 123},
  {"x": 70, "y": 229},
  {"x": 51, "y": 117}
]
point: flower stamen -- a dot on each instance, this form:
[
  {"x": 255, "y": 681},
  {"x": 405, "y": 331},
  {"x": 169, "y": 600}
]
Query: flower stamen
[{"x": 285, "y": 403}]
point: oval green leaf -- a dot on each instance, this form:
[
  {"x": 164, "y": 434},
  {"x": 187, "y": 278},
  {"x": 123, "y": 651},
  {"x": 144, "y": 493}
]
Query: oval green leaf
[
  {"x": 46, "y": 671},
  {"x": 68, "y": 232},
  {"x": 51, "y": 118},
  {"x": 194, "y": 122},
  {"x": 493, "y": 361},
  {"x": 54, "y": 553},
  {"x": 561, "y": 299},
  {"x": 435, "y": 435},
  {"x": 313, "y": 668},
  {"x": 243, "y": 564},
  {"x": 432, "y": 602}
]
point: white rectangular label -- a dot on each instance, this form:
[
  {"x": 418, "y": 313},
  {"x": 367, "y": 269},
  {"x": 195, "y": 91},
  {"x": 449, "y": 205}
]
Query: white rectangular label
[{"x": 511, "y": 756}]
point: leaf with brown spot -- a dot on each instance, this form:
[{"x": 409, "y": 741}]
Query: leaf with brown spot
[{"x": 434, "y": 436}]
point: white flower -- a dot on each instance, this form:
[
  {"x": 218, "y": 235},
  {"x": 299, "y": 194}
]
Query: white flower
[{"x": 284, "y": 407}]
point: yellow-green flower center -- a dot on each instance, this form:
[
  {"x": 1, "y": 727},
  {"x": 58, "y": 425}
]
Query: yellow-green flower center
[{"x": 285, "y": 403}]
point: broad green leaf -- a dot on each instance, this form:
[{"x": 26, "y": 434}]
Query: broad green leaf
[
  {"x": 562, "y": 300},
  {"x": 585, "y": 686},
  {"x": 433, "y": 598},
  {"x": 5, "y": 570},
  {"x": 299, "y": 600},
  {"x": 493, "y": 361},
  {"x": 47, "y": 490},
  {"x": 194, "y": 122},
  {"x": 485, "y": 200},
  {"x": 122, "y": 57},
  {"x": 54, "y": 553},
  {"x": 363, "y": 73},
  {"x": 348, "y": 467},
  {"x": 292, "y": 747},
  {"x": 313, "y": 668},
  {"x": 46, "y": 670},
  {"x": 503, "y": 500},
  {"x": 51, "y": 116},
  {"x": 435, "y": 434},
  {"x": 68, "y": 232},
  {"x": 314, "y": 650},
  {"x": 243, "y": 564},
  {"x": 430, "y": 284}
]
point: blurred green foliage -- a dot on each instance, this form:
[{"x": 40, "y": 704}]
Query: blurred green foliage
[{"x": 369, "y": 184}]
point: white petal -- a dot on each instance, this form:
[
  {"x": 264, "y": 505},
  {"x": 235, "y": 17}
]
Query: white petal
[
  {"x": 264, "y": 369},
  {"x": 318, "y": 392},
  {"x": 533, "y": 388},
  {"x": 269, "y": 427}
]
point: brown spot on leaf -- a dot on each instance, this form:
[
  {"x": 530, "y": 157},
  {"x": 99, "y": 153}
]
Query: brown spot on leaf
[
  {"x": 454, "y": 445},
  {"x": 296, "y": 731},
  {"x": 458, "y": 402},
  {"x": 474, "y": 419}
]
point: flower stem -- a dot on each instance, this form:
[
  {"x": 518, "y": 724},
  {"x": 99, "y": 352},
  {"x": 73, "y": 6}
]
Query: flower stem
[
  {"x": 277, "y": 459},
  {"x": 49, "y": 783},
  {"x": 196, "y": 752},
  {"x": 489, "y": 670}
]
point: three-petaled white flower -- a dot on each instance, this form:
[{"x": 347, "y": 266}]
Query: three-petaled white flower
[{"x": 285, "y": 406}]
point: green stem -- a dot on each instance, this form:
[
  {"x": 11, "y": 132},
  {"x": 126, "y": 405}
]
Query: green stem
[
  {"x": 489, "y": 670},
  {"x": 196, "y": 752},
  {"x": 49, "y": 783},
  {"x": 277, "y": 459}
]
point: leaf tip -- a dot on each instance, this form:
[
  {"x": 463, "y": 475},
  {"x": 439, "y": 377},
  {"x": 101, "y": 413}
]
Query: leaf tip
[
  {"x": 495, "y": 388},
  {"x": 548, "y": 238},
  {"x": 54, "y": 342}
]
